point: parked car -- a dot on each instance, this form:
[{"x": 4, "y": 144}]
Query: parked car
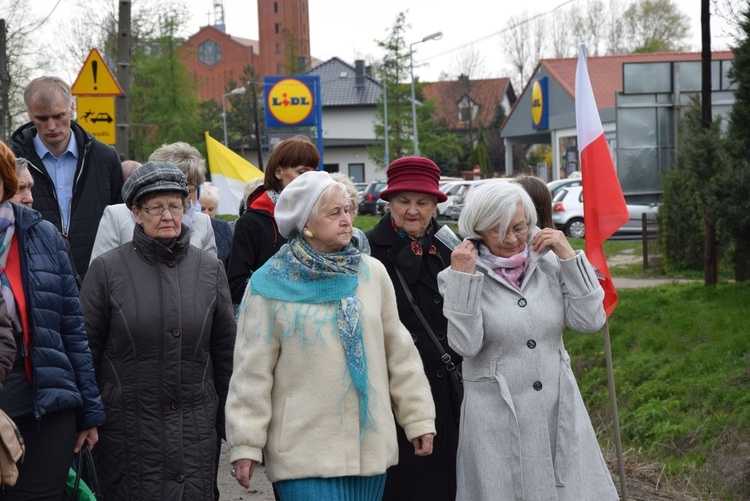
[
  {"x": 381, "y": 207},
  {"x": 558, "y": 184},
  {"x": 368, "y": 204},
  {"x": 567, "y": 213},
  {"x": 450, "y": 190},
  {"x": 460, "y": 196}
]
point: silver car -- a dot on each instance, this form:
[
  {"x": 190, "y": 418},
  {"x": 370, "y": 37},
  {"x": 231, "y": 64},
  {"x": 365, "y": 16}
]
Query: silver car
[{"x": 567, "y": 214}]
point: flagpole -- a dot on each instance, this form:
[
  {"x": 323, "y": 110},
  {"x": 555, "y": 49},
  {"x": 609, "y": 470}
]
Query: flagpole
[{"x": 615, "y": 417}]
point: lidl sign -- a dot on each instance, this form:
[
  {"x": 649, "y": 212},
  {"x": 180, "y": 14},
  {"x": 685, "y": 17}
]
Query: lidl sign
[
  {"x": 292, "y": 101},
  {"x": 539, "y": 104}
]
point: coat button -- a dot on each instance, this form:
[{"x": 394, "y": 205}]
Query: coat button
[
  {"x": 440, "y": 336},
  {"x": 176, "y": 332},
  {"x": 437, "y": 299},
  {"x": 174, "y": 406},
  {"x": 180, "y": 479},
  {"x": 440, "y": 373},
  {"x": 531, "y": 343},
  {"x": 414, "y": 338},
  {"x": 522, "y": 302},
  {"x": 537, "y": 385},
  {"x": 171, "y": 263}
]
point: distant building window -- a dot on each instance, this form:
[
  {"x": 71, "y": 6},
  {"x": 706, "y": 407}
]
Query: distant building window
[
  {"x": 467, "y": 109},
  {"x": 276, "y": 6},
  {"x": 278, "y": 48},
  {"x": 277, "y": 27},
  {"x": 357, "y": 173},
  {"x": 209, "y": 53},
  {"x": 278, "y": 69}
]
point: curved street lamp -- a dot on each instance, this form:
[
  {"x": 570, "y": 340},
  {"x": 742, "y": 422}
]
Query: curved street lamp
[
  {"x": 233, "y": 92},
  {"x": 434, "y": 36}
]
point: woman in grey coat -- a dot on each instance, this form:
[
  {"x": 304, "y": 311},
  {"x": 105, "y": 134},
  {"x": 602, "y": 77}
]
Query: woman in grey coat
[
  {"x": 161, "y": 329},
  {"x": 509, "y": 293}
]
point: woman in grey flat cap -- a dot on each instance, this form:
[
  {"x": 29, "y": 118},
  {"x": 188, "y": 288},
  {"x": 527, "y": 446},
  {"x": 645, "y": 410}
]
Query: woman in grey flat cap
[{"x": 161, "y": 329}]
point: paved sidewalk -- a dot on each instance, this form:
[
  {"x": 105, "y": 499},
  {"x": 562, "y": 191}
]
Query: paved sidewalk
[{"x": 637, "y": 283}]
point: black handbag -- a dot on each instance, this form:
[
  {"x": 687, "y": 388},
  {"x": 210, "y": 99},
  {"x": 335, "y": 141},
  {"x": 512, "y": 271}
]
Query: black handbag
[
  {"x": 82, "y": 483},
  {"x": 454, "y": 371}
]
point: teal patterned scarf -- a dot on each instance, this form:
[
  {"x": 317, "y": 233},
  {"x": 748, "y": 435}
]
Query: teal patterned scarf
[{"x": 300, "y": 274}]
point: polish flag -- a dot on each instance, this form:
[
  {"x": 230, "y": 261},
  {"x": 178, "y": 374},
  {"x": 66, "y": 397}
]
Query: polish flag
[{"x": 604, "y": 209}]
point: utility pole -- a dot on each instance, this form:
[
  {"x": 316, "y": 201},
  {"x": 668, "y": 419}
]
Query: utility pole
[
  {"x": 4, "y": 86},
  {"x": 253, "y": 84},
  {"x": 122, "y": 102},
  {"x": 711, "y": 252}
]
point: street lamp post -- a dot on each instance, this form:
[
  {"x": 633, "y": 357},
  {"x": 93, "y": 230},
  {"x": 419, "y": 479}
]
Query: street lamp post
[
  {"x": 233, "y": 92},
  {"x": 434, "y": 36},
  {"x": 386, "y": 155}
]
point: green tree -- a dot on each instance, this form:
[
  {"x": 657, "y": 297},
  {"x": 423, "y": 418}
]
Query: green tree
[
  {"x": 734, "y": 183},
  {"x": 164, "y": 101},
  {"x": 435, "y": 141},
  {"x": 655, "y": 26},
  {"x": 244, "y": 114},
  {"x": 480, "y": 155}
]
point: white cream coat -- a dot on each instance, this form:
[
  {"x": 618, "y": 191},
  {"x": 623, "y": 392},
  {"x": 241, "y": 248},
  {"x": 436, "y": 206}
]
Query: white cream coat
[{"x": 291, "y": 396}]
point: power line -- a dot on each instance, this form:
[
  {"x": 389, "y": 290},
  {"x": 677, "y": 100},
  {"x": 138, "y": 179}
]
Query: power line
[{"x": 508, "y": 28}]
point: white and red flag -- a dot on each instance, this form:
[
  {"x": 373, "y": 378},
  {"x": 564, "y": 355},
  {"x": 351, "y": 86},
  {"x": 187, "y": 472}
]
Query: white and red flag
[{"x": 604, "y": 209}]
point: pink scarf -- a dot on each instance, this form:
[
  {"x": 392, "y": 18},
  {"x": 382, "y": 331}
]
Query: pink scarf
[{"x": 512, "y": 269}]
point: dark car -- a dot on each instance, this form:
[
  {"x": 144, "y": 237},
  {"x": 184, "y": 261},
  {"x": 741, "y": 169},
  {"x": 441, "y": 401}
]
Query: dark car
[{"x": 371, "y": 196}]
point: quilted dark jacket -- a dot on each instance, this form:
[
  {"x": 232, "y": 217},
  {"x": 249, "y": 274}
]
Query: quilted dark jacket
[
  {"x": 162, "y": 328},
  {"x": 223, "y": 235},
  {"x": 63, "y": 372},
  {"x": 98, "y": 183}
]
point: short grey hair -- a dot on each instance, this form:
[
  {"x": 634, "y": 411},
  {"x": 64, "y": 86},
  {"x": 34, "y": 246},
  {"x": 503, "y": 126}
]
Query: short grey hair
[
  {"x": 210, "y": 192},
  {"x": 342, "y": 178},
  {"x": 493, "y": 206},
  {"x": 186, "y": 157},
  {"x": 329, "y": 193},
  {"x": 21, "y": 165},
  {"x": 44, "y": 92}
]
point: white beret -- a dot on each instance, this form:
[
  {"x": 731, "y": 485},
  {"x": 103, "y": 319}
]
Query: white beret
[{"x": 297, "y": 200}]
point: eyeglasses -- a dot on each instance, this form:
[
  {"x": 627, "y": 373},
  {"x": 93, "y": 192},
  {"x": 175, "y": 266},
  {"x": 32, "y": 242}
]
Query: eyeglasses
[
  {"x": 176, "y": 210},
  {"x": 518, "y": 231}
]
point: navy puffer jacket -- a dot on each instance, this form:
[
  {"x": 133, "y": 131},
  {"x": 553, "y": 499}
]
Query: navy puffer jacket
[{"x": 63, "y": 371}]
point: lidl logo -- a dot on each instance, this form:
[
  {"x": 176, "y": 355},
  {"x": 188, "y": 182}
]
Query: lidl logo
[
  {"x": 290, "y": 101},
  {"x": 539, "y": 105}
]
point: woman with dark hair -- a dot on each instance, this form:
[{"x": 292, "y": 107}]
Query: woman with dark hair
[
  {"x": 541, "y": 196},
  {"x": 51, "y": 391},
  {"x": 256, "y": 236}
]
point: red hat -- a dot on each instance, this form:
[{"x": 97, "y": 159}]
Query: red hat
[{"x": 415, "y": 174}]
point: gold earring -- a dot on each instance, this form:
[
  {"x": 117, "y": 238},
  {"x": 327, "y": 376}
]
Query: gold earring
[{"x": 307, "y": 233}]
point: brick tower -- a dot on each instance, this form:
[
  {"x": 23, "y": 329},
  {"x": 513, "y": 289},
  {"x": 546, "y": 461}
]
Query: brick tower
[{"x": 283, "y": 36}]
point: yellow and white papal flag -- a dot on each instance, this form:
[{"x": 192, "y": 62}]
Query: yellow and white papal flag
[{"x": 229, "y": 173}]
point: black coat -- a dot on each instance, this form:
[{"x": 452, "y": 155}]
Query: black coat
[
  {"x": 256, "y": 239},
  {"x": 161, "y": 329},
  {"x": 98, "y": 183},
  {"x": 433, "y": 477},
  {"x": 223, "y": 236}
]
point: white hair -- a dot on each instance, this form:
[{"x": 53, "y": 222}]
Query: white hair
[
  {"x": 210, "y": 192},
  {"x": 493, "y": 206}
]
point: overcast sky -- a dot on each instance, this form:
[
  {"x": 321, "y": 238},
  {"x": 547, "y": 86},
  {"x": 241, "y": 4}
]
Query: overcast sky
[{"x": 348, "y": 28}]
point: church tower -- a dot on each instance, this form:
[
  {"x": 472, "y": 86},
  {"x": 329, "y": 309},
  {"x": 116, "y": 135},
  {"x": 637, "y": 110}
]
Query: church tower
[{"x": 283, "y": 37}]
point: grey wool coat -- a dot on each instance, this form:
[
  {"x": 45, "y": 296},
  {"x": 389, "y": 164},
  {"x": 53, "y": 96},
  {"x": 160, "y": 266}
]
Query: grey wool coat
[
  {"x": 161, "y": 330},
  {"x": 525, "y": 433}
]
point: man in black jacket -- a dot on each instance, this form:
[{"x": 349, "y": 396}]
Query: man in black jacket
[{"x": 75, "y": 175}]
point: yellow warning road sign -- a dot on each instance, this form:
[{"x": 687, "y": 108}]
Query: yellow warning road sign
[
  {"x": 97, "y": 116},
  {"x": 95, "y": 79}
]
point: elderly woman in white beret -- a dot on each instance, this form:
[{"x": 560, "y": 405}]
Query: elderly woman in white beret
[
  {"x": 322, "y": 362},
  {"x": 509, "y": 293}
]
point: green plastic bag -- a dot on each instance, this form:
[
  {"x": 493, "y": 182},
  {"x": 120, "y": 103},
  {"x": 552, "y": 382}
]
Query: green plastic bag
[{"x": 76, "y": 488}]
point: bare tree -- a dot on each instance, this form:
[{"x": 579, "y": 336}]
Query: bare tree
[
  {"x": 615, "y": 38},
  {"x": 517, "y": 49},
  {"x": 587, "y": 25},
  {"x": 468, "y": 62},
  {"x": 560, "y": 36}
]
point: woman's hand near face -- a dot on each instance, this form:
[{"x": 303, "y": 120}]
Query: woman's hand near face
[
  {"x": 423, "y": 444},
  {"x": 464, "y": 257},
  {"x": 243, "y": 471},
  {"x": 555, "y": 240}
]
